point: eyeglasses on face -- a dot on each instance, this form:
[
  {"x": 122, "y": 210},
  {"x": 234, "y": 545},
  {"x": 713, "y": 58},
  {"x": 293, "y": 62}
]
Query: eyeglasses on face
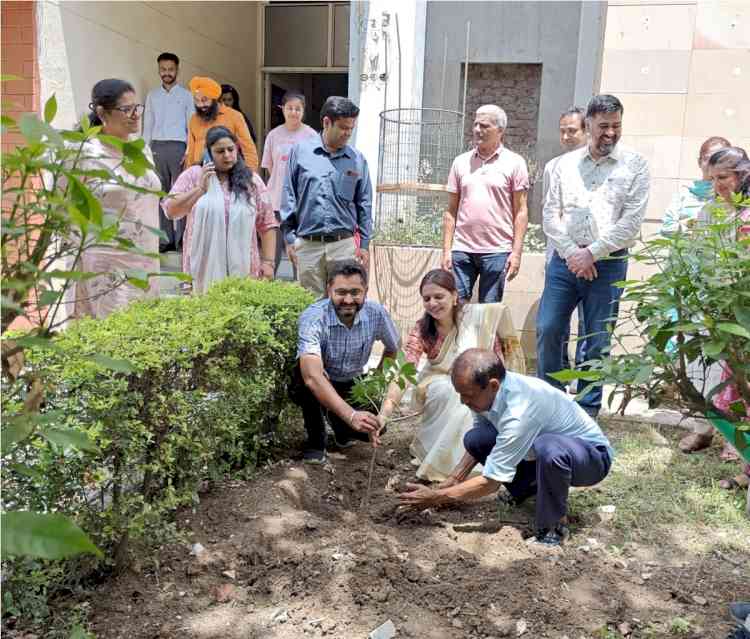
[{"x": 130, "y": 110}]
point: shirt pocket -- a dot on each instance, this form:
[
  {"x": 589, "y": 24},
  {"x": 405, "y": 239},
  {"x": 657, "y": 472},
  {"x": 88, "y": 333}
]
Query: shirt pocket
[
  {"x": 346, "y": 186},
  {"x": 617, "y": 187}
]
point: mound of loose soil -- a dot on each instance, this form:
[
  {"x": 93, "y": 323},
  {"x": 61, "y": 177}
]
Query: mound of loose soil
[{"x": 291, "y": 554}]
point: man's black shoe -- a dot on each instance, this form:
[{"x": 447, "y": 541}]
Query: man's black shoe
[
  {"x": 314, "y": 457},
  {"x": 347, "y": 440},
  {"x": 551, "y": 536},
  {"x": 740, "y": 611},
  {"x": 739, "y": 633}
]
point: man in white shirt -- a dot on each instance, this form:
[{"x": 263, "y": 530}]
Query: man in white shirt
[
  {"x": 592, "y": 215},
  {"x": 530, "y": 437},
  {"x": 572, "y": 137},
  {"x": 169, "y": 108}
]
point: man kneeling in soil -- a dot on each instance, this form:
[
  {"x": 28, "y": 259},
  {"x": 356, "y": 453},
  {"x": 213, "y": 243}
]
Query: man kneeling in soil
[
  {"x": 531, "y": 437},
  {"x": 336, "y": 335}
]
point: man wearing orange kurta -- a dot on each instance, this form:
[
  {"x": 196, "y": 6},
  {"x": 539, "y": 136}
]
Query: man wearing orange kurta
[{"x": 209, "y": 112}]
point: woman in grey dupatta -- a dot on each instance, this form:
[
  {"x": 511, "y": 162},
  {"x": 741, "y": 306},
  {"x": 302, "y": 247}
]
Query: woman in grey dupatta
[{"x": 228, "y": 207}]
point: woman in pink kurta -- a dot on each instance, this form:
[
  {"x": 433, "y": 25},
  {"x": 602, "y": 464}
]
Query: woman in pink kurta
[
  {"x": 241, "y": 214},
  {"x": 276, "y": 147},
  {"x": 729, "y": 170},
  {"x": 113, "y": 107}
]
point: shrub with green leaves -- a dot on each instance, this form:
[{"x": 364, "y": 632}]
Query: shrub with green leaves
[
  {"x": 690, "y": 315},
  {"x": 152, "y": 400}
]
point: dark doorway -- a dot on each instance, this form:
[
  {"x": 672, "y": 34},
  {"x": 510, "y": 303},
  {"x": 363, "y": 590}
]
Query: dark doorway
[{"x": 316, "y": 87}]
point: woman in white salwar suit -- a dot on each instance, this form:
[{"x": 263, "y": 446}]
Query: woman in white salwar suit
[{"x": 447, "y": 329}]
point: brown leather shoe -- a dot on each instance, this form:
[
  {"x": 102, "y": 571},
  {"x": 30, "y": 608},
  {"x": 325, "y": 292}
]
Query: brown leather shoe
[{"x": 694, "y": 442}]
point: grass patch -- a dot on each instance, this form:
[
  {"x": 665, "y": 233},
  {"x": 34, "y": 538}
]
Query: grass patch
[{"x": 662, "y": 494}]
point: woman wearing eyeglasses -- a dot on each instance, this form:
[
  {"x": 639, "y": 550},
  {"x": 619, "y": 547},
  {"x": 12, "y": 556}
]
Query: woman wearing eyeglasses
[{"x": 114, "y": 108}]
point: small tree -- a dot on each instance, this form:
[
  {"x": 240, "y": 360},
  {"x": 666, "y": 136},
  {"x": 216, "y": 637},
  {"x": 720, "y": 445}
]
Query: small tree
[
  {"x": 50, "y": 216},
  {"x": 691, "y": 315},
  {"x": 370, "y": 390}
]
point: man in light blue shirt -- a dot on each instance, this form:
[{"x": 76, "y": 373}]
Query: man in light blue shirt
[
  {"x": 169, "y": 108},
  {"x": 531, "y": 437}
]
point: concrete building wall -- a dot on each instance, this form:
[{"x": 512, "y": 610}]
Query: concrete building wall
[
  {"x": 83, "y": 42},
  {"x": 520, "y": 86},
  {"x": 681, "y": 71},
  {"x": 564, "y": 37}
]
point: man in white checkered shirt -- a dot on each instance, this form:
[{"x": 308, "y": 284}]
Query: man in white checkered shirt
[{"x": 592, "y": 215}]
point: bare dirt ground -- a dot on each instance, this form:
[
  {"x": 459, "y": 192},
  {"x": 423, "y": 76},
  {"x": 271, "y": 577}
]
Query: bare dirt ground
[{"x": 291, "y": 554}]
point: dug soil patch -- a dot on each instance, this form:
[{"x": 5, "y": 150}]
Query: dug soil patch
[{"x": 290, "y": 554}]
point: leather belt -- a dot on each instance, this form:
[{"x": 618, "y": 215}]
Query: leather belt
[{"x": 334, "y": 237}]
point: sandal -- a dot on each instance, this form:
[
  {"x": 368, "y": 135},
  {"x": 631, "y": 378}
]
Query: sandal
[
  {"x": 735, "y": 483},
  {"x": 694, "y": 442},
  {"x": 729, "y": 454}
]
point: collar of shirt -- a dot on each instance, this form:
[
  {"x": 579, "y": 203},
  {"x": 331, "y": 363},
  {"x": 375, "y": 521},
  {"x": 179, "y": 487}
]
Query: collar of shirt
[
  {"x": 499, "y": 404},
  {"x": 333, "y": 318},
  {"x": 494, "y": 155},
  {"x": 615, "y": 155},
  {"x": 320, "y": 146}
]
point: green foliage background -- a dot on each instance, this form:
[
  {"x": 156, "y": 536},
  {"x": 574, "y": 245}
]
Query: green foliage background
[{"x": 201, "y": 382}]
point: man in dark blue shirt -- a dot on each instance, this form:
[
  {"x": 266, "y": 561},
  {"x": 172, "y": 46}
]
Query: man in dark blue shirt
[{"x": 327, "y": 198}]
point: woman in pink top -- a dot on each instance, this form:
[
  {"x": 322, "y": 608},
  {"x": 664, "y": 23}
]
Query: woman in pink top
[
  {"x": 114, "y": 108},
  {"x": 729, "y": 171},
  {"x": 279, "y": 142},
  {"x": 227, "y": 207},
  {"x": 447, "y": 329}
]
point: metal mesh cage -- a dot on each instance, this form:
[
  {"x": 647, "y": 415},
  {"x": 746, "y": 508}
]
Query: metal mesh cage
[{"x": 417, "y": 148}]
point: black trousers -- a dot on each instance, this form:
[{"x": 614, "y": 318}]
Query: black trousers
[
  {"x": 168, "y": 156},
  {"x": 281, "y": 249},
  {"x": 313, "y": 411}
]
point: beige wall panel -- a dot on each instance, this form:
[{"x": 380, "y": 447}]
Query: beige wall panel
[
  {"x": 122, "y": 39},
  {"x": 661, "y": 151},
  {"x": 722, "y": 24},
  {"x": 720, "y": 71},
  {"x": 662, "y": 190},
  {"x": 707, "y": 114},
  {"x": 650, "y": 27},
  {"x": 615, "y": 3},
  {"x": 653, "y": 113},
  {"x": 645, "y": 71},
  {"x": 650, "y": 230}
]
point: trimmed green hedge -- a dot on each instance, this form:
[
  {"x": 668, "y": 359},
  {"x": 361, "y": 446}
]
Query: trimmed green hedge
[{"x": 208, "y": 378}]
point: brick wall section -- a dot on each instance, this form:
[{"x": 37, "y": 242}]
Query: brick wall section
[
  {"x": 18, "y": 57},
  {"x": 516, "y": 89}
]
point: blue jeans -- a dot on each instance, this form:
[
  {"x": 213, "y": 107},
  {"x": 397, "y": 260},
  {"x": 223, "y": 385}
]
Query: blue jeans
[
  {"x": 580, "y": 343},
  {"x": 488, "y": 267},
  {"x": 563, "y": 291}
]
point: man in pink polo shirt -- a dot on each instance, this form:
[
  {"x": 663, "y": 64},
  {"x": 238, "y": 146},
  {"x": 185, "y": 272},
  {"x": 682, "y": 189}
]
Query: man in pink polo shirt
[{"x": 487, "y": 216}]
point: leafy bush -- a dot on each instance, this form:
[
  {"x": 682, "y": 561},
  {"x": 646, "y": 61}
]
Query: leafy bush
[
  {"x": 691, "y": 314},
  {"x": 151, "y": 401},
  {"x": 51, "y": 215}
]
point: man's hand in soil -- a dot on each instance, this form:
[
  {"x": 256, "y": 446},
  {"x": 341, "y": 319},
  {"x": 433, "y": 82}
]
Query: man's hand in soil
[{"x": 418, "y": 496}]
